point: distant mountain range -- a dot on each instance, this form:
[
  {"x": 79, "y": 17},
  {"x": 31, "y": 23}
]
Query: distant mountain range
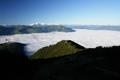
[
  {"x": 37, "y": 28},
  {"x": 98, "y": 27}
]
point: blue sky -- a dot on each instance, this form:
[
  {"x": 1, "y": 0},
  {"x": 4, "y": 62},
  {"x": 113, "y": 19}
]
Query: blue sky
[{"x": 60, "y": 11}]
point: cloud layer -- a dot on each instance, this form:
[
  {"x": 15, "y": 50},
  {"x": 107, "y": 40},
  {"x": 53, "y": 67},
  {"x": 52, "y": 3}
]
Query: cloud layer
[{"x": 86, "y": 38}]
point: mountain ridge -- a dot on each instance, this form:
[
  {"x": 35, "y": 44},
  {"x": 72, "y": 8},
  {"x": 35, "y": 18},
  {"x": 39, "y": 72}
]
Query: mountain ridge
[
  {"x": 64, "y": 47},
  {"x": 92, "y": 63},
  {"x": 26, "y": 29}
]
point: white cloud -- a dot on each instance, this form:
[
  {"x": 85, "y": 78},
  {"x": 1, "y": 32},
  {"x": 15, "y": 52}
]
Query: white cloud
[{"x": 87, "y": 38}]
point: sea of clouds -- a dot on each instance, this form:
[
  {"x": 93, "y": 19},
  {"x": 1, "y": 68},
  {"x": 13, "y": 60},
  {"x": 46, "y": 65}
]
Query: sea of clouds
[{"x": 84, "y": 37}]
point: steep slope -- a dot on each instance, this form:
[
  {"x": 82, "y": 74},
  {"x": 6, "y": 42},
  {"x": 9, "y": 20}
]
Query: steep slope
[
  {"x": 13, "y": 62},
  {"x": 89, "y": 64},
  {"x": 64, "y": 47}
]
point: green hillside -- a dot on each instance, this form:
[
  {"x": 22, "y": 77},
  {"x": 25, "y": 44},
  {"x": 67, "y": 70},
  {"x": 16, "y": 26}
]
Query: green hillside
[
  {"x": 100, "y": 63},
  {"x": 64, "y": 47}
]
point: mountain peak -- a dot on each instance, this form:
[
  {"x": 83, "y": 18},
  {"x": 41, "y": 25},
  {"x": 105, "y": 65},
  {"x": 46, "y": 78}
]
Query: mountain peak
[
  {"x": 62, "y": 48},
  {"x": 71, "y": 43}
]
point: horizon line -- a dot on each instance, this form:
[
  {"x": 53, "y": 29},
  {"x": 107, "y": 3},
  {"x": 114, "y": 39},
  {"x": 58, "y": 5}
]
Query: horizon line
[{"x": 63, "y": 24}]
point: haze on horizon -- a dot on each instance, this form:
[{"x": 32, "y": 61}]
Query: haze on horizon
[{"x": 100, "y": 12}]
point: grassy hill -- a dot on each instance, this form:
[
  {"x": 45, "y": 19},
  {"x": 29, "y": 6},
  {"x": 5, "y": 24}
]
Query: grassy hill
[
  {"x": 64, "y": 47},
  {"x": 101, "y": 63},
  {"x": 90, "y": 64}
]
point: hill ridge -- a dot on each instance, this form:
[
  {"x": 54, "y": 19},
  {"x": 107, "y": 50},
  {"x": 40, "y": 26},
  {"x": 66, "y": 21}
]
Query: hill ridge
[{"x": 62, "y": 48}]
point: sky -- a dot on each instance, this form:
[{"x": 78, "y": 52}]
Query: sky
[{"x": 97, "y": 12}]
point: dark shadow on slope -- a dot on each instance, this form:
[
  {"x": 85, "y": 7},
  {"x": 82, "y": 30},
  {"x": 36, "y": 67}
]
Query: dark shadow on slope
[
  {"x": 96, "y": 64},
  {"x": 14, "y": 65}
]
